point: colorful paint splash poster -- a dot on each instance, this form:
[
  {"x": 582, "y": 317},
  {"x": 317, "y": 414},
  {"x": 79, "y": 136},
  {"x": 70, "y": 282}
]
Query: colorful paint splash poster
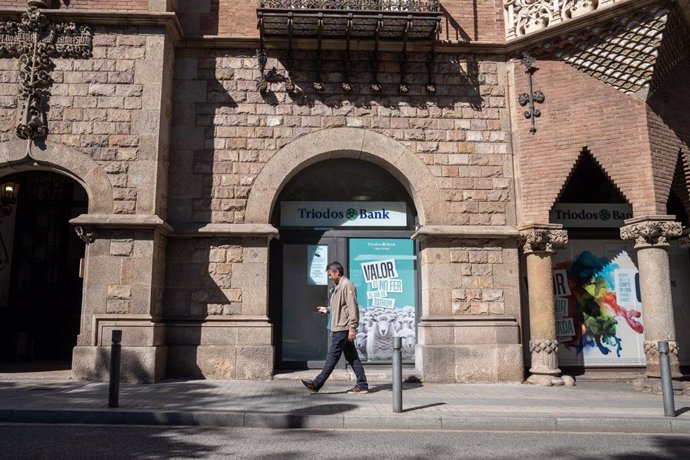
[
  {"x": 383, "y": 270},
  {"x": 598, "y": 309}
]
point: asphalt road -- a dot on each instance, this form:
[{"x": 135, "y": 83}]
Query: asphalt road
[{"x": 94, "y": 442}]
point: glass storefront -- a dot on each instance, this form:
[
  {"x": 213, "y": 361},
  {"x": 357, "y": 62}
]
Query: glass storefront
[{"x": 357, "y": 214}]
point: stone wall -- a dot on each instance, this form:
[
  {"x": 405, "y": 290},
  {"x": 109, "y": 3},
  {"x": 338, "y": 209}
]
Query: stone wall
[
  {"x": 123, "y": 290},
  {"x": 108, "y": 107},
  {"x": 215, "y": 307},
  {"x": 470, "y": 311},
  {"x": 108, "y": 122},
  {"x": 225, "y": 131}
]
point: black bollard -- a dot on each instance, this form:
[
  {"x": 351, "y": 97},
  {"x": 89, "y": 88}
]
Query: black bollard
[
  {"x": 666, "y": 381},
  {"x": 397, "y": 374},
  {"x": 114, "y": 387}
]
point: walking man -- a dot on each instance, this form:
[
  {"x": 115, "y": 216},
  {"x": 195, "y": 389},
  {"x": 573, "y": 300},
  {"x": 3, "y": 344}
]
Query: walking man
[{"x": 344, "y": 321}]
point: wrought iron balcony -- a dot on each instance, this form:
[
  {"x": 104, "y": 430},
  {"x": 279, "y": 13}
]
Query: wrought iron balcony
[
  {"x": 524, "y": 17},
  {"x": 374, "y": 20},
  {"x": 361, "y": 19}
]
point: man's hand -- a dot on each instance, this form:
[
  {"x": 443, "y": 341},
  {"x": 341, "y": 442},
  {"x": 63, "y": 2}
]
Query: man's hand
[
  {"x": 322, "y": 310},
  {"x": 351, "y": 335}
]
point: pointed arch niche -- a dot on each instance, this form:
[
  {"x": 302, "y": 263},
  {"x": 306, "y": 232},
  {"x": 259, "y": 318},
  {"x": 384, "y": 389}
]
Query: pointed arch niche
[{"x": 588, "y": 184}]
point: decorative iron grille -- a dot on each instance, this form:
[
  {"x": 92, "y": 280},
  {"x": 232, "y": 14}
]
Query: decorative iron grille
[{"x": 420, "y": 6}]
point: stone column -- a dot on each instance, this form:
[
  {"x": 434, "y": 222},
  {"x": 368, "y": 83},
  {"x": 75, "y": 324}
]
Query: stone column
[
  {"x": 540, "y": 243},
  {"x": 651, "y": 235}
]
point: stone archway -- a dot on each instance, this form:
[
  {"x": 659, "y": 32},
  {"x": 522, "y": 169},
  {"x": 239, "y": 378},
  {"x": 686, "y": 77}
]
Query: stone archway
[
  {"x": 16, "y": 157},
  {"x": 355, "y": 143}
]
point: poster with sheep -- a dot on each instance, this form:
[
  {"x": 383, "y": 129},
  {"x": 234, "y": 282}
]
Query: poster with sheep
[{"x": 383, "y": 270}]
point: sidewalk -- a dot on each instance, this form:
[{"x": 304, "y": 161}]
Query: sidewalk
[{"x": 588, "y": 407}]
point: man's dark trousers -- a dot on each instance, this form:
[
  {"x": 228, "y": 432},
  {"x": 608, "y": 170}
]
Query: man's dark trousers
[{"x": 340, "y": 345}]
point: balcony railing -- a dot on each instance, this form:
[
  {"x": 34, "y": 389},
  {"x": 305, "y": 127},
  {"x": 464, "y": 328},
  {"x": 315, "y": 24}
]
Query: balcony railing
[
  {"x": 356, "y": 5},
  {"x": 524, "y": 17},
  {"x": 357, "y": 19}
]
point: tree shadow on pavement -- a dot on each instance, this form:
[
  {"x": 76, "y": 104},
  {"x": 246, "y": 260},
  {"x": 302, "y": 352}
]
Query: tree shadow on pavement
[
  {"x": 94, "y": 442},
  {"x": 666, "y": 447}
]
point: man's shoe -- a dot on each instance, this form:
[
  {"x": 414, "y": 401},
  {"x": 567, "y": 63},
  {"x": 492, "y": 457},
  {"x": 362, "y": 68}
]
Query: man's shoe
[
  {"x": 357, "y": 391},
  {"x": 310, "y": 385}
]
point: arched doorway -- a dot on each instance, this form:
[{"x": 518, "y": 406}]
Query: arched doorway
[
  {"x": 359, "y": 214},
  {"x": 40, "y": 279}
]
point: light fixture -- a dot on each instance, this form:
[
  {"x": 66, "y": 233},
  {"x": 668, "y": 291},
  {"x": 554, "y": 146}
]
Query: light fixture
[
  {"x": 8, "y": 193},
  {"x": 8, "y": 197},
  {"x": 361, "y": 198}
]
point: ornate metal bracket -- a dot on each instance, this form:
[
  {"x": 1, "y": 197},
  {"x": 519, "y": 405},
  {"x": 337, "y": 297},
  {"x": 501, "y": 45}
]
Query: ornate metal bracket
[
  {"x": 431, "y": 62},
  {"x": 318, "y": 84},
  {"x": 36, "y": 41},
  {"x": 347, "y": 86},
  {"x": 404, "y": 88},
  {"x": 375, "y": 85},
  {"x": 86, "y": 234},
  {"x": 290, "y": 86},
  {"x": 533, "y": 96},
  {"x": 262, "y": 84}
]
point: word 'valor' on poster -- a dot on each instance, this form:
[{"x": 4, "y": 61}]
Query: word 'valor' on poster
[{"x": 379, "y": 270}]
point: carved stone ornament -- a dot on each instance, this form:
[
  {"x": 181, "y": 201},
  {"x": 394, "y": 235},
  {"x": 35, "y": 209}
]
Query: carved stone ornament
[
  {"x": 652, "y": 232},
  {"x": 651, "y": 347},
  {"x": 543, "y": 239},
  {"x": 543, "y": 346},
  {"x": 524, "y": 17},
  {"x": 36, "y": 41},
  {"x": 86, "y": 234}
]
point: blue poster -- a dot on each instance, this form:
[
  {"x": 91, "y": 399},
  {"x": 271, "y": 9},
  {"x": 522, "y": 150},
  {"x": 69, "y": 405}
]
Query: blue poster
[{"x": 383, "y": 270}]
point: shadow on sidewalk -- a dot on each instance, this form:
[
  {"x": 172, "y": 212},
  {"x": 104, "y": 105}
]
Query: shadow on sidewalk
[
  {"x": 389, "y": 387},
  {"x": 426, "y": 406}
]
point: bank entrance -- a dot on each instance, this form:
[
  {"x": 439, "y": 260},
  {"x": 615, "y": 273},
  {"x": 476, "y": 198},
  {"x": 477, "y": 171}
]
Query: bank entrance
[
  {"x": 40, "y": 270},
  {"x": 358, "y": 214}
]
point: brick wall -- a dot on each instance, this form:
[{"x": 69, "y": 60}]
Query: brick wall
[
  {"x": 669, "y": 130},
  {"x": 581, "y": 111},
  {"x": 461, "y": 20},
  {"x": 122, "y": 5}
]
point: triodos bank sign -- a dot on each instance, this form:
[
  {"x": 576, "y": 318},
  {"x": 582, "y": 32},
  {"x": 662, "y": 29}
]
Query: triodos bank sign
[{"x": 343, "y": 214}]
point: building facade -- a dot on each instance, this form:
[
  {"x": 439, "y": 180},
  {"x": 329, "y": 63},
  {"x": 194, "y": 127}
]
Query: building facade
[{"x": 504, "y": 181}]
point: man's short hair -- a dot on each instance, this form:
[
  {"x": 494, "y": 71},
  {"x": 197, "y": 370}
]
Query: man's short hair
[{"x": 336, "y": 267}]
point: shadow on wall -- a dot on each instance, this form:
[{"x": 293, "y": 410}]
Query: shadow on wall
[
  {"x": 456, "y": 77},
  {"x": 451, "y": 29},
  {"x": 199, "y": 290},
  {"x": 132, "y": 370}
]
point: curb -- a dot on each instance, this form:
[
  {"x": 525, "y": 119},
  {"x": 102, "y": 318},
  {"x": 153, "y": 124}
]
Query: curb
[{"x": 307, "y": 421}]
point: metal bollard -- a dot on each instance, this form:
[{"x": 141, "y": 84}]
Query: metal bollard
[
  {"x": 397, "y": 374},
  {"x": 666, "y": 381},
  {"x": 114, "y": 387}
]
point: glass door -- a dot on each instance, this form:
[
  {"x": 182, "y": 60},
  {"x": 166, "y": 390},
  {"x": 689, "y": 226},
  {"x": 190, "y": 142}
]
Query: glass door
[{"x": 304, "y": 335}]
